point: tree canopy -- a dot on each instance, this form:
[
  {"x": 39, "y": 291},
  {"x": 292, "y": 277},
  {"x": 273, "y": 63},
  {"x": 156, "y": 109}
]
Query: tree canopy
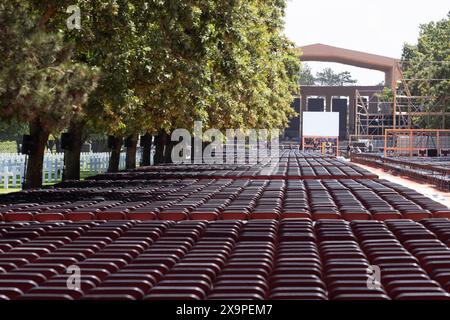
[
  {"x": 171, "y": 62},
  {"x": 426, "y": 64},
  {"x": 327, "y": 77},
  {"x": 38, "y": 80},
  {"x": 306, "y": 77},
  {"x": 140, "y": 66},
  {"x": 40, "y": 84}
]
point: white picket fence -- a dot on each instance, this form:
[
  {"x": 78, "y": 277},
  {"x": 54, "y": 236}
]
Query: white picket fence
[{"x": 12, "y": 166}]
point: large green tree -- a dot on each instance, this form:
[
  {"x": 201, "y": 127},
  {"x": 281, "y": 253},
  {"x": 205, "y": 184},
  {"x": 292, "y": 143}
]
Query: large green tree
[
  {"x": 426, "y": 65},
  {"x": 39, "y": 82},
  {"x": 166, "y": 64},
  {"x": 107, "y": 40},
  {"x": 225, "y": 63}
]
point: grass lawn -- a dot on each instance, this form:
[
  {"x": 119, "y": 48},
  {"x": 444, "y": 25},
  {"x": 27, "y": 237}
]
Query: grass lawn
[
  {"x": 4, "y": 191},
  {"x": 83, "y": 175}
]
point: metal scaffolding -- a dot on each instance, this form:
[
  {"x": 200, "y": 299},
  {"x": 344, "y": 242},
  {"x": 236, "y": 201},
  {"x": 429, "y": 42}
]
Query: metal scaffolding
[
  {"x": 416, "y": 142},
  {"x": 405, "y": 111}
]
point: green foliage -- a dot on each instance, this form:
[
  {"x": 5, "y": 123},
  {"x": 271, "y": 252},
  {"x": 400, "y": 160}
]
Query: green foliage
[
  {"x": 12, "y": 130},
  {"x": 387, "y": 95},
  {"x": 107, "y": 41},
  {"x": 327, "y": 77},
  {"x": 428, "y": 64},
  {"x": 225, "y": 63},
  {"x": 306, "y": 77},
  {"x": 166, "y": 64},
  {"x": 38, "y": 80}
]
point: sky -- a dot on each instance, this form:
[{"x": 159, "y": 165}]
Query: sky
[{"x": 379, "y": 27}]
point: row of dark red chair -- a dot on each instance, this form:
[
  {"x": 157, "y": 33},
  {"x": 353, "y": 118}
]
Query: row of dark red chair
[
  {"x": 288, "y": 165},
  {"x": 224, "y": 199},
  {"x": 388, "y": 246},
  {"x": 435, "y": 171},
  {"x": 195, "y": 260}
]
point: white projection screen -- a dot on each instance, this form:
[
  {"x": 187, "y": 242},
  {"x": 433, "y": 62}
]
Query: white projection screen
[{"x": 320, "y": 124}]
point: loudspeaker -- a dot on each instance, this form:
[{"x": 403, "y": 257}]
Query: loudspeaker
[
  {"x": 432, "y": 153},
  {"x": 128, "y": 142},
  {"x": 422, "y": 152},
  {"x": 112, "y": 142},
  {"x": 26, "y": 144},
  {"x": 145, "y": 139},
  {"x": 65, "y": 140}
]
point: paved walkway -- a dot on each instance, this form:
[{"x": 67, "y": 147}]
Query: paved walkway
[{"x": 424, "y": 188}]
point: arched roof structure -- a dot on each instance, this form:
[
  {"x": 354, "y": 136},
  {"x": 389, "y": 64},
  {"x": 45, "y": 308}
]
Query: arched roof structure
[{"x": 325, "y": 53}]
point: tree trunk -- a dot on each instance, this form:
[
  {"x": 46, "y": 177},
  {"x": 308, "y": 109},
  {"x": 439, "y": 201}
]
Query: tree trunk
[
  {"x": 49, "y": 13},
  {"x": 72, "y": 155},
  {"x": 131, "y": 152},
  {"x": 39, "y": 137},
  {"x": 146, "y": 149},
  {"x": 160, "y": 143},
  {"x": 114, "y": 159},
  {"x": 192, "y": 149}
]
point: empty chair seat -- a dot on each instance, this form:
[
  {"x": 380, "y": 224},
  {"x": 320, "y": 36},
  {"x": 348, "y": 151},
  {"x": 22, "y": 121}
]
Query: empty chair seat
[
  {"x": 45, "y": 216},
  {"x": 22, "y": 216},
  {"x": 79, "y": 216}
]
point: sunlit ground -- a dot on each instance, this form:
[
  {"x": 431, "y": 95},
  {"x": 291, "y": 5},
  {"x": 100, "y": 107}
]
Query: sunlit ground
[{"x": 83, "y": 175}]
